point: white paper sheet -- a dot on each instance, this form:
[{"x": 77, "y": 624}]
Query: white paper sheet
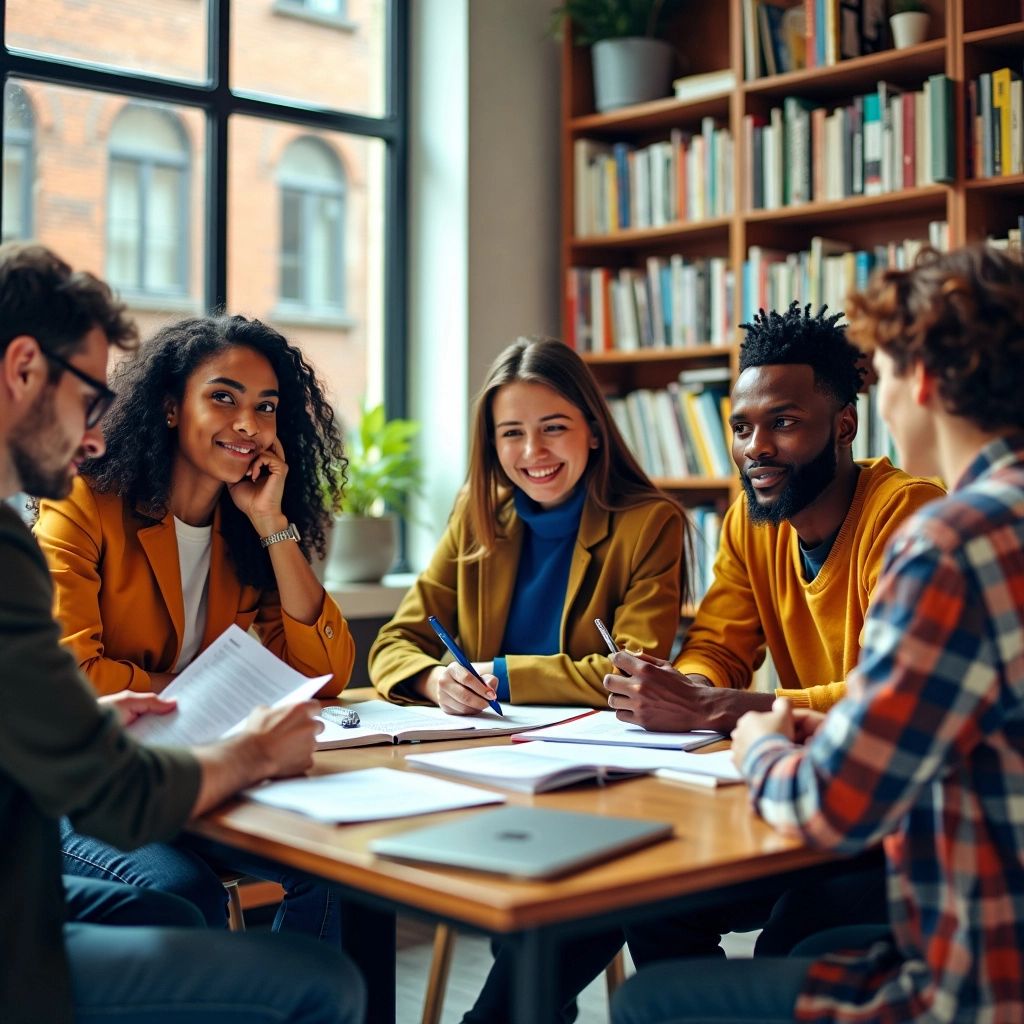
[
  {"x": 215, "y": 694},
  {"x": 605, "y": 727},
  {"x": 372, "y": 794}
]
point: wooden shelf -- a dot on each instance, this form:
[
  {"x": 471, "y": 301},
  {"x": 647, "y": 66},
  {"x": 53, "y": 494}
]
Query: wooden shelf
[
  {"x": 698, "y": 353},
  {"x": 635, "y": 237},
  {"x": 911, "y": 65},
  {"x": 927, "y": 199},
  {"x": 657, "y": 116},
  {"x": 1011, "y": 183},
  {"x": 999, "y": 37}
]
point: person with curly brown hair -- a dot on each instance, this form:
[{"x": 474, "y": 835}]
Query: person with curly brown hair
[
  {"x": 925, "y": 753},
  {"x": 201, "y": 514}
]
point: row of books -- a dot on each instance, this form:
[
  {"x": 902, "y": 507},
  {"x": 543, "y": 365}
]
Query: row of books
[
  {"x": 707, "y": 531},
  {"x": 884, "y": 141},
  {"x": 671, "y": 303},
  {"x": 873, "y": 437},
  {"x": 679, "y": 431},
  {"x": 687, "y": 177},
  {"x": 1013, "y": 239},
  {"x": 826, "y": 272},
  {"x": 996, "y": 139},
  {"x": 783, "y": 36}
]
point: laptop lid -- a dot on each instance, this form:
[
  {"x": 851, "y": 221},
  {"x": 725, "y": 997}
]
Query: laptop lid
[{"x": 526, "y": 842}]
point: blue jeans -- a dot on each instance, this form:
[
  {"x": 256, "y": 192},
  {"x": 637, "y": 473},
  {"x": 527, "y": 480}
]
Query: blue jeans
[
  {"x": 758, "y": 991},
  {"x": 172, "y": 971},
  {"x": 190, "y": 868}
]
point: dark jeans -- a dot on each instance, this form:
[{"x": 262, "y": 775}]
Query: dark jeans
[
  {"x": 190, "y": 868},
  {"x": 851, "y": 894},
  {"x": 759, "y": 991},
  {"x": 138, "y": 956}
]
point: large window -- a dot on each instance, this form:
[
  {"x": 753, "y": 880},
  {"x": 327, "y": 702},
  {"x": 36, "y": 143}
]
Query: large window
[
  {"x": 221, "y": 154},
  {"x": 147, "y": 222}
]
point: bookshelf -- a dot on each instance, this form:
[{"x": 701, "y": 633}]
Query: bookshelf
[{"x": 966, "y": 39}]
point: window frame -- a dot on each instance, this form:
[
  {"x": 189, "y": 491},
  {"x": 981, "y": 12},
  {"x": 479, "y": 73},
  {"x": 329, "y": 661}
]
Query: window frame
[
  {"x": 145, "y": 162},
  {"x": 219, "y": 102}
]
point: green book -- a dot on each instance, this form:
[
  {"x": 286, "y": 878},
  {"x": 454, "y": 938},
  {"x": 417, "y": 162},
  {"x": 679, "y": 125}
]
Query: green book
[{"x": 940, "y": 112}]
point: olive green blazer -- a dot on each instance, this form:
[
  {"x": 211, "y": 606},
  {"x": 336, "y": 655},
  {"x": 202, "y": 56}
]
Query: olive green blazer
[{"x": 626, "y": 569}]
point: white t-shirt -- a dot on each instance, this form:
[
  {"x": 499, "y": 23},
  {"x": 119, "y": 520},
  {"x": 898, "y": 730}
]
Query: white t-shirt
[{"x": 194, "y": 562}]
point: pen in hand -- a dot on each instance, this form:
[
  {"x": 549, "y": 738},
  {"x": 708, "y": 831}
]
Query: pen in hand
[
  {"x": 456, "y": 653},
  {"x": 613, "y": 647}
]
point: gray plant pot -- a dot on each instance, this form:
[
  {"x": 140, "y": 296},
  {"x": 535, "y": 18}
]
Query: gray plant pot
[
  {"x": 630, "y": 70},
  {"x": 361, "y": 550}
]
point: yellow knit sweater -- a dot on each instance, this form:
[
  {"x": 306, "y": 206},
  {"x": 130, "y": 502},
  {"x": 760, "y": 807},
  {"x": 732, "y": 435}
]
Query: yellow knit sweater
[{"x": 759, "y": 597}]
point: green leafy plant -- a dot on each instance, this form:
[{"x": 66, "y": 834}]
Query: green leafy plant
[
  {"x": 594, "y": 20},
  {"x": 383, "y": 470},
  {"x": 907, "y": 7}
]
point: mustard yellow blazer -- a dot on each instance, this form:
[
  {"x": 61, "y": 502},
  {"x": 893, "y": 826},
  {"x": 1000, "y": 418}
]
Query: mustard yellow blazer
[
  {"x": 626, "y": 570},
  {"x": 118, "y": 599}
]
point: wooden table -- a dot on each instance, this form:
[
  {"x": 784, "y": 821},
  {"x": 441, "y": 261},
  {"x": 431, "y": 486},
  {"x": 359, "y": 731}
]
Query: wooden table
[{"x": 718, "y": 853}]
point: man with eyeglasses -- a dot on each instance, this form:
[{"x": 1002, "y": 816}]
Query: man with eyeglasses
[{"x": 86, "y": 948}]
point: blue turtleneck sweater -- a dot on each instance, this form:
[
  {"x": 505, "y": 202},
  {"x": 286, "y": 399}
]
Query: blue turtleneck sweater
[{"x": 535, "y": 612}]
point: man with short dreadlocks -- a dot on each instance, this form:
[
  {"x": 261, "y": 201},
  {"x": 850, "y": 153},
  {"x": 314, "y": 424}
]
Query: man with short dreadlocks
[{"x": 800, "y": 554}]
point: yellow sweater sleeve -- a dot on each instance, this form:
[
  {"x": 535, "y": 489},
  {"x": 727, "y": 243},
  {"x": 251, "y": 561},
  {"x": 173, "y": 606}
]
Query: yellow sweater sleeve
[{"x": 817, "y": 698}]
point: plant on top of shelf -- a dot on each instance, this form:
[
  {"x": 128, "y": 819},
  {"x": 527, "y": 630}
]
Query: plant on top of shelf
[
  {"x": 908, "y": 20},
  {"x": 632, "y": 62}
]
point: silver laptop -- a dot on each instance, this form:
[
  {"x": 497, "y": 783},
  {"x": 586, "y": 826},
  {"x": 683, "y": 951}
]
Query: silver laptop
[{"x": 526, "y": 842}]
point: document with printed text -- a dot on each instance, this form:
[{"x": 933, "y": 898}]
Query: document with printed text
[{"x": 216, "y": 693}]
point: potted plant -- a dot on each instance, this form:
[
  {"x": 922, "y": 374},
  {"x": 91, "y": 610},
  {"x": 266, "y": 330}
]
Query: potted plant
[
  {"x": 908, "y": 20},
  {"x": 381, "y": 474},
  {"x": 631, "y": 61}
]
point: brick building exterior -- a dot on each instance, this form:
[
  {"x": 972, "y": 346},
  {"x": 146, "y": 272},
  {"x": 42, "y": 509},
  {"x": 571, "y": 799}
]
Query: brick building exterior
[{"x": 118, "y": 186}]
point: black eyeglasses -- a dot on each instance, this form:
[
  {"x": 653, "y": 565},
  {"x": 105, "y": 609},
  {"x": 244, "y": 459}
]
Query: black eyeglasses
[{"x": 100, "y": 402}]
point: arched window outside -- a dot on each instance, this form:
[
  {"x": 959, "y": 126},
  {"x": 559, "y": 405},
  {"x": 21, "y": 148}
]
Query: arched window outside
[
  {"x": 147, "y": 223},
  {"x": 19, "y": 173},
  {"x": 312, "y": 185}
]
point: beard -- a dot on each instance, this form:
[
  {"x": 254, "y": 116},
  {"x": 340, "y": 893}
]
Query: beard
[
  {"x": 32, "y": 444},
  {"x": 804, "y": 484}
]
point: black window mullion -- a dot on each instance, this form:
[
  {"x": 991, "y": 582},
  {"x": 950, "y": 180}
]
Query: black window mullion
[{"x": 219, "y": 70}]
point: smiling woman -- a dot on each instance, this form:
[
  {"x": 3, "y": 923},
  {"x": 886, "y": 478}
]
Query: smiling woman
[
  {"x": 201, "y": 514},
  {"x": 556, "y": 526}
]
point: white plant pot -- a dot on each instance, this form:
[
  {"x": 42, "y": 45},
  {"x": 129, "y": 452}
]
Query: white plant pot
[
  {"x": 361, "y": 549},
  {"x": 630, "y": 70},
  {"x": 908, "y": 28}
]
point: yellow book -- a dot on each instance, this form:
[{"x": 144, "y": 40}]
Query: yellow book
[{"x": 1001, "y": 80}]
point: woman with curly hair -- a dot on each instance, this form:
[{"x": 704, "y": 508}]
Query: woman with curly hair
[{"x": 202, "y": 513}]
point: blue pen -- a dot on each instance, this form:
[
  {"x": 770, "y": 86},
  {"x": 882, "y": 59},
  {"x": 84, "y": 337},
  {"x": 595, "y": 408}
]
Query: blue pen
[{"x": 460, "y": 657}]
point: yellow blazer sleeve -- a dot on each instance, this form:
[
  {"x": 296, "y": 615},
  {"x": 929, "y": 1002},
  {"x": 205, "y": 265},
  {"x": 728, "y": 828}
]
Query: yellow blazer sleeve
[
  {"x": 314, "y": 650},
  {"x": 725, "y": 641},
  {"x": 407, "y": 646},
  {"x": 70, "y": 532},
  {"x": 634, "y": 584}
]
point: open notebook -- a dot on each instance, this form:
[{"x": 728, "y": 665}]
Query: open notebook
[
  {"x": 538, "y": 767},
  {"x": 605, "y": 727},
  {"x": 381, "y": 722}
]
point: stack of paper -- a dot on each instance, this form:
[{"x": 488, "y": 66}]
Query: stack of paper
[{"x": 373, "y": 794}]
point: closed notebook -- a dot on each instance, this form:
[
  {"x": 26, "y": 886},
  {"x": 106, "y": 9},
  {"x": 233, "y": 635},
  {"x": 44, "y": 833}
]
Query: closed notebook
[
  {"x": 525, "y": 842},
  {"x": 606, "y": 728},
  {"x": 381, "y": 722}
]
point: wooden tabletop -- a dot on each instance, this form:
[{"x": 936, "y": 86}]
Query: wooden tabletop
[{"x": 717, "y": 842}]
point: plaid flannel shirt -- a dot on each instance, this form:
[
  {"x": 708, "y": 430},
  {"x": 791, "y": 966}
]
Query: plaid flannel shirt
[{"x": 926, "y": 753}]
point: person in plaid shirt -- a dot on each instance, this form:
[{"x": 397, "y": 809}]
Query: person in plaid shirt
[{"x": 926, "y": 752}]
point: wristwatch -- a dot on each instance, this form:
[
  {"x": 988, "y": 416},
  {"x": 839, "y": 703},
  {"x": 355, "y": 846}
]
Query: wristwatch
[{"x": 292, "y": 533}]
